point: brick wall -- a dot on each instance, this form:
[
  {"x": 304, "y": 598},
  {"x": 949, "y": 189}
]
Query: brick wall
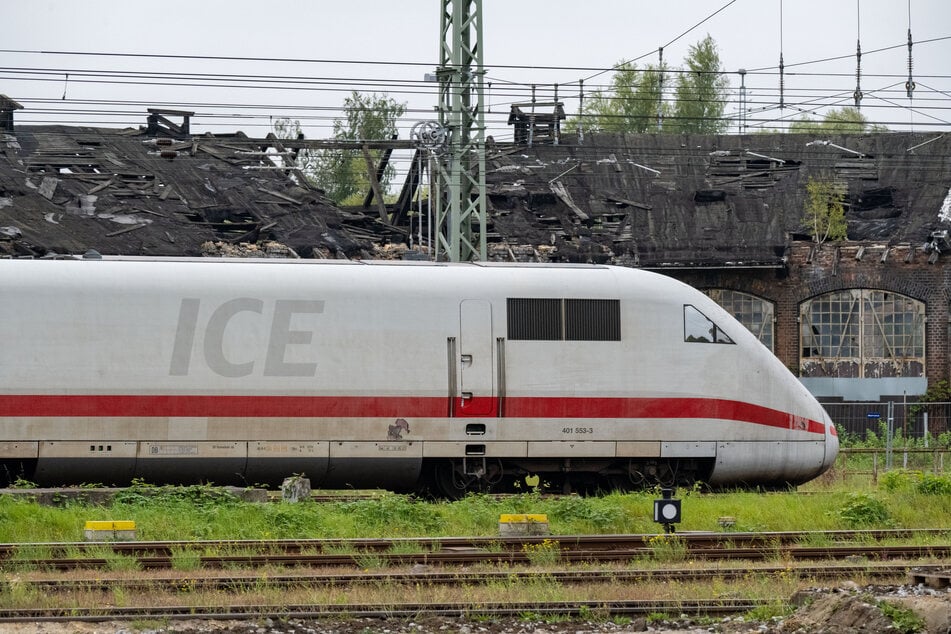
[{"x": 813, "y": 270}]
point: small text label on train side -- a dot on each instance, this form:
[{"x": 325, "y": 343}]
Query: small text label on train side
[
  {"x": 577, "y": 430},
  {"x": 213, "y": 349}
]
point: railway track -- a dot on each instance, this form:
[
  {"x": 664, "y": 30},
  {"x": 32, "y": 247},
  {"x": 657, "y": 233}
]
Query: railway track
[
  {"x": 566, "y": 542},
  {"x": 607, "y": 609},
  {"x": 512, "y": 557},
  {"x": 234, "y": 610},
  {"x": 242, "y": 593},
  {"x": 193, "y": 582},
  {"x": 863, "y": 545}
]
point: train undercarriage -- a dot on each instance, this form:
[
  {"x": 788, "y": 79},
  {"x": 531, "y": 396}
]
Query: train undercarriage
[
  {"x": 456, "y": 478},
  {"x": 444, "y": 478}
]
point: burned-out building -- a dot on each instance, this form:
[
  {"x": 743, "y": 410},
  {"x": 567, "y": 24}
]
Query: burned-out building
[
  {"x": 858, "y": 319},
  {"x": 864, "y": 318},
  {"x": 158, "y": 190}
]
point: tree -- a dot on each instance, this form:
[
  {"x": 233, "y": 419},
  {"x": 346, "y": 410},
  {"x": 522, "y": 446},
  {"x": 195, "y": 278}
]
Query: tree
[
  {"x": 701, "y": 92},
  {"x": 846, "y": 120},
  {"x": 825, "y": 210},
  {"x": 285, "y": 128},
  {"x": 343, "y": 173},
  {"x": 631, "y": 105},
  {"x": 633, "y": 102}
]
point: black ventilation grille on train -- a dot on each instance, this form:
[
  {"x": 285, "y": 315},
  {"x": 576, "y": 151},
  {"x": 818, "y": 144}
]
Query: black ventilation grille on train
[{"x": 564, "y": 319}]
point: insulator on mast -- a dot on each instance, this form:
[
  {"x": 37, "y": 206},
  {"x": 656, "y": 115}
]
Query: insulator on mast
[
  {"x": 857, "y": 95},
  {"x": 781, "y": 104},
  {"x": 580, "y": 112},
  {"x": 660, "y": 89},
  {"x": 910, "y": 84}
]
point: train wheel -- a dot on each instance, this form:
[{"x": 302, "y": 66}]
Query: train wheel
[
  {"x": 653, "y": 473},
  {"x": 449, "y": 481}
]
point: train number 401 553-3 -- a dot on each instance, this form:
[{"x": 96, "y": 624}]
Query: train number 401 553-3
[{"x": 577, "y": 430}]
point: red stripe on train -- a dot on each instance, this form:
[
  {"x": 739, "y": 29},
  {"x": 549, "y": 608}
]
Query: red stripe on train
[{"x": 185, "y": 406}]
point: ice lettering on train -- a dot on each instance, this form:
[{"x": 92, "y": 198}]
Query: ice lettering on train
[{"x": 280, "y": 337}]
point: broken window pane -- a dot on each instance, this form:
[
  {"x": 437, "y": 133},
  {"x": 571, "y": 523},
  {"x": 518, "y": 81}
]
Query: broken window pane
[
  {"x": 862, "y": 333},
  {"x": 751, "y": 311}
]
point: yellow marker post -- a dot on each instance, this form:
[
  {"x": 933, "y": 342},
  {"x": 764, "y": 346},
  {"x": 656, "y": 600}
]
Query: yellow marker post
[
  {"x": 522, "y": 524},
  {"x": 110, "y": 530}
]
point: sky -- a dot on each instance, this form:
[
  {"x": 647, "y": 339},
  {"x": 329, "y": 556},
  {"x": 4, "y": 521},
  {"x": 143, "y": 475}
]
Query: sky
[{"x": 299, "y": 59}]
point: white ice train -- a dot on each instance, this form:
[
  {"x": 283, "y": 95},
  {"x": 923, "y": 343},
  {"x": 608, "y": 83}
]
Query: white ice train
[{"x": 406, "y": 376}]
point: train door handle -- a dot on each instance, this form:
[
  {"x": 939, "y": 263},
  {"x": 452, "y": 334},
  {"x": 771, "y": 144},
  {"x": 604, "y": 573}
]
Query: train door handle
[
  {"x": 467, "y": 396},
  {"x": 466, "y": 359}
]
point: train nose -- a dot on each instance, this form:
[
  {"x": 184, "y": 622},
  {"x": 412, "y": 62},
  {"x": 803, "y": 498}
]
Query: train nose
[{"x": 831, "y": 443}]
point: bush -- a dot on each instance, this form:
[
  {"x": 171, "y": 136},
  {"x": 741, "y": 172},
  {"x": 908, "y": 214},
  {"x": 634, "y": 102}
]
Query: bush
[
  {"x": 930, "y": 484},
  {"x": 924, "y": 483},
  {"x": 898, "y": 480},
  {"x": 862, "y": 510}
]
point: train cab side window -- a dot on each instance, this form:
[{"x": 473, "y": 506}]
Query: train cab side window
[{"x": 699, "y": 328}]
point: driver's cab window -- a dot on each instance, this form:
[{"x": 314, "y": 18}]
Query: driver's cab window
[{"x": 699, "y": 328}]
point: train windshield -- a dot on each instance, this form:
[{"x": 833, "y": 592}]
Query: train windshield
[{"x": 699, "y": 328}]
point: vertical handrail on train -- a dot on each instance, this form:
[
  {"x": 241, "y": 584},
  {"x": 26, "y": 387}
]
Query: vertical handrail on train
[
  {"x": 500, "y": 359},
  {"x": 451, "y": 351}
]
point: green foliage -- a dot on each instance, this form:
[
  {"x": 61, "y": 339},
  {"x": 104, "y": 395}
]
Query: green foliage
[
  {"x": 370, "y": 561},
  {"x": 343, "y": 174},
  {"x": 544, "y": 553},
  {"x": 597, "y": 513},
  {"x": 904, "y": 620},
  {"x": 196, "y": 514},
  {"x": 896, "y": 480},
  {"x": 633, "y": 103},
  {"x": 766, "y": 612},
  {"x": 200, "y": 495},
  {"x": 916, "y": 481},
  {"x": 862, "y": 510},
  {"x": 185, "y": 559},
  {"x": 393, "y": 515},
  {"x": 937, "y": 392},
  {"x": 847, "y": 120},
  {"x": 667, "y": 548},
  {"x": 118, "y": 562},
  {"x": 701, "y": 92},
  {"x": 824, "y": 212},
  {"x": 930, "y": 484}
]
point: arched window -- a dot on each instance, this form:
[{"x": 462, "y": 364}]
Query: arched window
[
  {"x": 862, "y": 333},
  {"x": 751, "y": 311}
]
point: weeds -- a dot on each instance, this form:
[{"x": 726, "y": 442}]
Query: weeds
[
  {"x": 199, "y": 513},
  {"x": 117, "y": 562},
  {"x": 769, "y": 611},
  {"x": 370, "y": 561},
  {"x": 667, "y": 548},
  {"x": 903, "y": 619},
  {"x": 404, "y": 547},
  {"x": 185, "y": 559},
  {"x": 544, "y": 553}
]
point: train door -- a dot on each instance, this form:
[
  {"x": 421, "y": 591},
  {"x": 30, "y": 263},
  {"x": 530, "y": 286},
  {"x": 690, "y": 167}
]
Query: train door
[{"x": 474, "y": 361}]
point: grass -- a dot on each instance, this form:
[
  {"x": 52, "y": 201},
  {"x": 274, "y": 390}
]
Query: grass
[
  {"x": 198, "y": 513},
  {"x": 203, "y": 513}
]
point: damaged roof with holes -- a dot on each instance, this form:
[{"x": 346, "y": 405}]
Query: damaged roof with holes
[
  {"x": 158, "y": 191},
  {"x": 669, "y": 201}
]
